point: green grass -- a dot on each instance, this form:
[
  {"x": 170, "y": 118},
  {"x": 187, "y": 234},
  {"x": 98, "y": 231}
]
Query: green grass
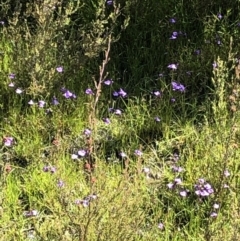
[{"x": 111, "y": 193}]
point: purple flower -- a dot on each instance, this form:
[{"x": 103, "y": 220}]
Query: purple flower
[
  {"x": 67, "y": 94},
  {"x": 117, "y": 112},
  {"x": 46, "y": 168},
  {"x": 226, "y": 173},
  {"x": 197, "y": 51},
  {"x": 170, "y": 185},
  {"x": 53, "y": 169},
  {"x": 108, "y": 82},
  {"x": 173, "y": 100},
  {"x": 138, "y": 153},
  {"x": 157, "y": 93},
  {"x": 11, "y": 84},
  {"x": 161, "y": 226},
  {"x": 173, "y": 66},
  {"x": 11, "y": 76},
  {"x": 55, "y": 101},
  {"x": 89, "y": 91},
  {"x": 177, "y": 169},
  {"x": 109, "y": 2},
  {"x": 215, "y": 65},
  {"x": 49, "y": 169},
  {"x": 219, "y": 16},
  {"x": 172, "y": 20},
  {"x": 178, "y": 87},
  {"x": 157, "y": 119},
  {"x": 213, "y": 214},
  {"x": 8, "y": 141},
  {"x": 203, "y": 189},
  {"x": 183, "y": 193},
  {"x": 41, "y": 103},
  {"x": 60, "y": 183},
  {"x": 178, "y": 181},
  {"x": 115, "y": 94},
  {"x": 82, "y": 153},
  {"x": 59, "y": 69},
  {"x": 106, "y": 120},
  {"x": 174, "y": 35},
  {"x": 87, "y": 132},
  {"x": 122, "y": 93},
  {"x": 31, "y": 213}
]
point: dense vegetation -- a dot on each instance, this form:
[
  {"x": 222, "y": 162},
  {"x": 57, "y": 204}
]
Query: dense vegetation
[{"x": 119, "y": 120}]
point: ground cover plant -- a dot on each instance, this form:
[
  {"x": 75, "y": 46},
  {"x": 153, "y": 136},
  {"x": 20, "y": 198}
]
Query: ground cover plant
[{"x": 119, "y": 120}]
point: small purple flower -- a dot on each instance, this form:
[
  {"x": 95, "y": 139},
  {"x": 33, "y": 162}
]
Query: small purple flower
[
  {"x": 41, "y": 103},
  {"x": 173, "y": 66},
  {"x": 203, "y": 189},
  {"x": 19, "y": 91},
  {"x": 53, "y": 169},
  {"x": 108, "y": 82},
  {"x": 89, "y": 91},
  {"x": 197, "y": 51},
  {"x": 177, "y": 169},
  {"x": 46, "y": 168},
  {"x": 219, "y": 16},
  {"x": 115, "y": 94},
  {"x": 170, "y": 185},
  {"x": 55, "y": 101},
  {"x": 183, "y": 193},
  {"x": 178, "y": 181},
  {"x": 49, "y": 169},
  {"x": 215, "y": 65},
  {"x": 226, "y": 173},
  {"x": 8, "y": 141},
  {"x": 161, "y": 226},
  {"x": 138, "y": 153},
  {"x": 213, "y": 214},
  {"x": 11, "y": 84},
  {"x": 67, "y": 94},
  {"x": 173, "y": 100},
  {"x": 59, "y": 69},
  {"x": 157, "y": 93},
  {"x": 31, "y": 213},
  {"x": 11, "y": 76},
  {"x": 109, "y": 2},
  {"x": 174, "y": 35},
  {"x": 82, "y": 153},
  {"x": 178, "y": 87},
  {"x": 87, "y": 132},
  {"x": 157, "y": 119},
  {"x": 60, "y": 183},
  {"x": 117, "y": 112},
  {"x": 106, "y": 120},
  {"x": 172, "y": 20},
  {"x": 122, "y": 93}
]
